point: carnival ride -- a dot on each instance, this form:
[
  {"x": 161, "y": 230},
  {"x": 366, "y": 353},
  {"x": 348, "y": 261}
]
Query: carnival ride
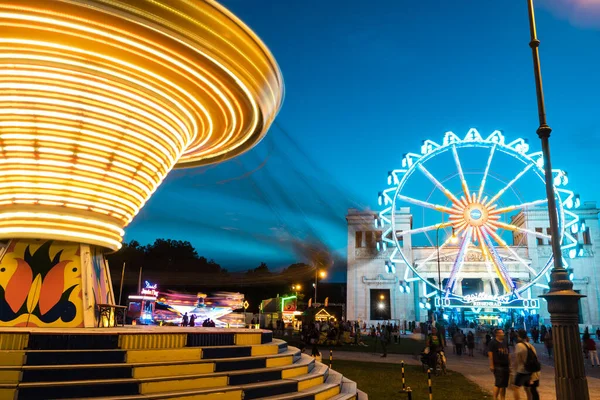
[
  {"x": 474, "y": 204},
  {"x": 153, "y": 307},
  {"x": 100, "y": 100},
  {"x": 217, "y": 307}
]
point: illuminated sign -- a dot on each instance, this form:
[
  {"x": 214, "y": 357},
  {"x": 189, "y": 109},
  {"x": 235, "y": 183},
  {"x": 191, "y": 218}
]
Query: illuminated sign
[
  {"x": 150, "y": 289},
  {"x": 502, "y": 302},
  {"x": 288, "y": 303}
]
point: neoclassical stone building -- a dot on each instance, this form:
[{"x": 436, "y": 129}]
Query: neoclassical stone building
[{"x": 376, "y": 293}]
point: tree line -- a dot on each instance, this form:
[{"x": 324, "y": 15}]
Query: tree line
[{"x": 177, "y": 263}]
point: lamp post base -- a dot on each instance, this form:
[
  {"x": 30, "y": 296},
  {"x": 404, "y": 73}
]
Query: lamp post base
[{"x": 563, "y": 306}]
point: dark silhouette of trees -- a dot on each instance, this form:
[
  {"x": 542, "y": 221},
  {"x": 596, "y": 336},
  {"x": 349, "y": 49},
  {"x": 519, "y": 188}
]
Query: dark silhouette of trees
[
  {"x": 261, "y": 271},
  {"x": 164, "y": 254}
]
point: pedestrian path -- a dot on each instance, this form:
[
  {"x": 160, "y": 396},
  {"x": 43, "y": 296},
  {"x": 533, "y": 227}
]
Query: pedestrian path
[
  {"x": 476, "y": 369},
  {"x": 546, "y": 360}
]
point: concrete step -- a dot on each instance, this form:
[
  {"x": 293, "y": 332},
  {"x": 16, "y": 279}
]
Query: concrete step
[
  {"x": 349, "y": 390},
  {"x": 104, "y": 356},
  {"x": 150, "y": 386},
  {"x": 287, "y": 385},
  {"x": 73, "y": 372}
]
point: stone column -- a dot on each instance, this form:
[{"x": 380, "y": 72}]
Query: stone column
[
  {"x": 458, "y": 287},
  {"x": 487, "y": 286}
]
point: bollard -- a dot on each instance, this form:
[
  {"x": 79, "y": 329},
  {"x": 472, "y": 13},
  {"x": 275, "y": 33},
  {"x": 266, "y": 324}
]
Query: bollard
[
  {"x": 409, "y": 393},
  {"x": 330, "y": 358},
  {"x": 429, "y": 383},
  {"x": 403, "y": 380}
]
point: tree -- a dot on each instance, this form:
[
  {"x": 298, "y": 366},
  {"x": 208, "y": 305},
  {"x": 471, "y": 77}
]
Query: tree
[
  {"x": 261, "y": 270},
  {"x": 164, "y": 254},
  {"x": 298, "y": 273}
]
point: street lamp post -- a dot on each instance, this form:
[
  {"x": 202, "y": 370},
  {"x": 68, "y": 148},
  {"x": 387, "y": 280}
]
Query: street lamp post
[
  {"x": 317, "y": 273},
  {"x": 437, "y": 246},
  {"x": 563, "y": 301},
  {"x": 295, "y": 288}
]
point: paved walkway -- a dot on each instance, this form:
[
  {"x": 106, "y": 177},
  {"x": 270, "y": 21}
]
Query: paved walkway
[{"x": 476, "y": 369}]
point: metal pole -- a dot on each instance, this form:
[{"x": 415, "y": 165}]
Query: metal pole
[
  {"x": 140, "y": 281},
  {"x": 121, "y": 288},
  {"x": 403, "y": 380},
  {"x": 330, "y": 358},
  {"x": 429, "y": 384},
  {"x": 563, "y": 301},
  {"x": 437, "y": 246},
  {"x": 316, "y": 275}
]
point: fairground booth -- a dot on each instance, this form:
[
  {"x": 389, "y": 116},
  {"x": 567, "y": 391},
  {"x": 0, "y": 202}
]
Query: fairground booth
[{"x": 280, "y": 308}]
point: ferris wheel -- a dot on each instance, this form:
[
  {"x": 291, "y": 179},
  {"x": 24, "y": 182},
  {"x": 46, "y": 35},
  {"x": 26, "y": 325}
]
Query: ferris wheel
[{"x": 464, "y": 197}]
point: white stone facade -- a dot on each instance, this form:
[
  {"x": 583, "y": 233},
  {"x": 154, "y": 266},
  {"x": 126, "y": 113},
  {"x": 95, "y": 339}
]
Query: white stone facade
[{"x": 366, "y": 266}]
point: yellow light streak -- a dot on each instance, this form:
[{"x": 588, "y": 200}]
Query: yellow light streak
[{"x": 100, "y": 99}]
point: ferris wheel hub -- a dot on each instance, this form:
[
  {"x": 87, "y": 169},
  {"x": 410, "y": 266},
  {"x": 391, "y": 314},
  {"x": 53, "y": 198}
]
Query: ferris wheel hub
[{"x": 475, "y": 215}]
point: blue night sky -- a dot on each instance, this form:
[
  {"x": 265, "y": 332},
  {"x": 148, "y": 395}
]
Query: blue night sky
[{"x": 366, "y": 82}]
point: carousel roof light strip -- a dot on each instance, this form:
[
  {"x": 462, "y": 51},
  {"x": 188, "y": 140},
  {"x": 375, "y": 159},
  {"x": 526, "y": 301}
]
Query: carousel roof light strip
[{"x": 102, "y": 98}]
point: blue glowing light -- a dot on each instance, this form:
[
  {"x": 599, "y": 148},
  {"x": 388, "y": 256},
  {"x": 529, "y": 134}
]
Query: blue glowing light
[{"x": 479, "y": 230}]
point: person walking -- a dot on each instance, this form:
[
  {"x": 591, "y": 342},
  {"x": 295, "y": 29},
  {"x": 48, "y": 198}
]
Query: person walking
[
  {"x": 526, "y": 364},
  {"x": 593, "y": 354},
  {"x": 535, "y": 334},
  {"x": 499, "y": 364},
  {"x": 314, "y": 335},
  {"x": 459, "y": 341},
  {"x": 385, "y": 339},
  {"x": 470, "y": 343},
  {"x": 434, "y": 342}
]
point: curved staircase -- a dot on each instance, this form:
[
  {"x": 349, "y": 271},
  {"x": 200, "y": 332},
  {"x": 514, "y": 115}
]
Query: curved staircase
[{"x": 169, "y": 364}]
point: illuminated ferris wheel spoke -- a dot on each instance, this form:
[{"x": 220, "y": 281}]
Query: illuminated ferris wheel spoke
[
  {"x": 438, "y": 184},
  {"x": 463, "y": 181},
  {"x": 494, "y": 268},
  {"x": 514, "y": 228},
  {"x": 460, "y": 260},
  {"x": 509, "y": 184},
  {"x": 426, "y": 204},
  {"x": 519, "y": 206},
  {"x": 485, "y": 173},
  {"x": 424, "y": 229},
  {"x": 505, "y": 245},
  {"x": 433, "y": 254},
  {"x": 487, "y": 262},
  {"x": 507, "y": 282}
]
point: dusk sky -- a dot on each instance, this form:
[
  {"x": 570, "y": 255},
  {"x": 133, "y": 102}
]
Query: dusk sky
[{"x": 366, "y": 82}]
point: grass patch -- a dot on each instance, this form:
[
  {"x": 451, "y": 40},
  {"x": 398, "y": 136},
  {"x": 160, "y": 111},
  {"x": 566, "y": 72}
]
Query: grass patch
[
  {"x": 405, "y": 346},
  {"x": 382, "y": 381}
]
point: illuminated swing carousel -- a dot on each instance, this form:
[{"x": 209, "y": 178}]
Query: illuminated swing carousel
[{"x": 99, "y": 100}]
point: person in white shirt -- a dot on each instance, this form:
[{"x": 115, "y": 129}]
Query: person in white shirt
[{"x": 528, "y": 379}]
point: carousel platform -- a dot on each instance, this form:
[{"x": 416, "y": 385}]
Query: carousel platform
[{"x": 143, "y": 362}]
